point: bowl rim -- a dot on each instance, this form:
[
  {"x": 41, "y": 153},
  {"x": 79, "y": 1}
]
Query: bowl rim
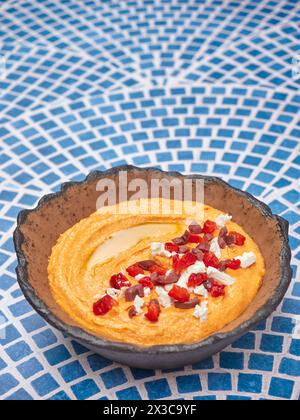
[{"x": 91, "y": 340}]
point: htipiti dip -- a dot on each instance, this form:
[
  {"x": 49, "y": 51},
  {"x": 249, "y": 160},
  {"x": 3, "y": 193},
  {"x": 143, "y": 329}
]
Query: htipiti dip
[{"x": 155, "y": 279}]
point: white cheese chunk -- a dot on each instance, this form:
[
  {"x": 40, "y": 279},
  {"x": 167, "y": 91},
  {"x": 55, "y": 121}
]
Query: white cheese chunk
[
  {"x": 139, "y": 277},
  {"x": 138, "y": 303},
  {"x": 158, "y": 248},
  {"x": 198, "y": 267},
  {"x": 147, "y": 291},
  {"x": 98, "y": 296},
  {"x": 183, "y": 279},
  {"x": 215, "y": 247},
  {"x": 200, "y": 290},
  {"x": 220, "y": 276},
  {"x": 201, "y": 311},
  {"x": 222, "y": 219},
  {"x": 169, "y": 287},
  {"x": 247, "y": 259},
  {"x": 114, "y": 293},
  {"x": 163, "y": 297}
]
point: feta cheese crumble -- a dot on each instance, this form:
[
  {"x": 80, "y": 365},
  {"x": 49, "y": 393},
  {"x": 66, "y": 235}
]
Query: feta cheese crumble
[
  {"x": 200, "y": 290},
  {"x": 168, "y": 287},
  {"x": 158, "y": 248},
  {"x": 222, "y": 219},
  {"x": 138, "y": 303},
  {"x": 98, "y": 296},
  {"x": 201, "y": 311},
  {"x": 147, "y": 291},
  {"x": 139, "y": 277},
  {"x": 198, "y": 267},
  {"x": 220, "y": 276},
  {"x": 114, "y": 293},
  {"x": 215, "y": 247},
  {"x": 183, "y": 279},
  {"x": 247, "y": 259},
  {"x": 163, "y": 297}
]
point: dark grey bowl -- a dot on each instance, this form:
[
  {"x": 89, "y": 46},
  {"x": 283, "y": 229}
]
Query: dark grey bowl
[{"x": 38, "y": 230}]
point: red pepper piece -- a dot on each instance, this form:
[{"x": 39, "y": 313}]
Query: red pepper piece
[
  {"x": 169, "y": 246},
  {"x": 195, "y": 239},
  {"x": 104, "y": 305},
  {"x": 176, "y": 261},
  {"x": 157, "y": 269},
  {"x": 134, "y": 270},
  {"x": 185, "y": 261},
  {"x": 239, "y": 239},
  {"x": 210, "y": 260},
  {"x": 209, "y": 227},
  {"x": 217, "y": 289},
  {"x": 233, "y": 264},
  {"x": 153, "y": 311},
  {"x": 180, "y": 294},
  {"x": 197, "y": 279},
  {"x": 118, "y": 281},
  {"x": 146, "y": 282}
]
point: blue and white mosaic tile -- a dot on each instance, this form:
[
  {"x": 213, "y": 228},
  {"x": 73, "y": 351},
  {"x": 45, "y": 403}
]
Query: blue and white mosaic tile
[
  {"x": 37, "y": 76},
  {"x": 195, "y": 86},
  {"x": 265, "y": 58}
]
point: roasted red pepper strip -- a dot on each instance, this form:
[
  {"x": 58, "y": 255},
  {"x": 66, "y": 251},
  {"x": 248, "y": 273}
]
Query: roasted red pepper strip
[
  {"x": 146, "y": 282},
  {"x": 134, "y": 270},
  {"x": 209, "y": 227},
  {"x": 197, "y": 279},
  {"x": 103, "y": 305},
  {"x": 210, "y": 260},
  {"x": 233, "y": 264},
  {"x": 239, "y": 239},
  {"x": 169, "y": 246},
  {"x": 153, "y": 311},
  {"x": 180, "y": 294},
  {"x": 118, "y": 281},
  {"x": 184, "y": 262},
  {"x": 157, "y": 269},
  {"x": 217, "y": 289},
  {"x": 195, "y": 239}
]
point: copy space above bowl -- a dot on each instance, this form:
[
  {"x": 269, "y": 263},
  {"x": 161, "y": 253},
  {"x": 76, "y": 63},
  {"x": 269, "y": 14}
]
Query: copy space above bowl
[{"x": 38, "y": 230}]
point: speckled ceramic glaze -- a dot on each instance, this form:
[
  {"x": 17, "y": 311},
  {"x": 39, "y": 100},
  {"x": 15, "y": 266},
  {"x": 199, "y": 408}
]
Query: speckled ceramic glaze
[{"x": 39, "y": 229}]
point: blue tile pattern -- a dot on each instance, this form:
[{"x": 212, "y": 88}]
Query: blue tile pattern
[{"x": 187, "y": 85}]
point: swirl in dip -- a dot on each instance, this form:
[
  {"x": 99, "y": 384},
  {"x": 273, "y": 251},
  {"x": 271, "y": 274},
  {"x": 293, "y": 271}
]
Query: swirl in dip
[{"x": 155, "y": 279}]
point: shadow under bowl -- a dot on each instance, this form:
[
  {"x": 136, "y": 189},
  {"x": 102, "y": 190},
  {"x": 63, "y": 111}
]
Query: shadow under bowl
[{"x": 38, "y": 230}]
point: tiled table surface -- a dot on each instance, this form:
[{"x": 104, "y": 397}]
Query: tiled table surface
[{"x": 196, "y": 86}]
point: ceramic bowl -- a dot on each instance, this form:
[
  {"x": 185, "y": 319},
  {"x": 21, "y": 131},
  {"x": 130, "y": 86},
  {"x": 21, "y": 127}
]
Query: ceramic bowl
[{"x": 38, "y": 230}]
